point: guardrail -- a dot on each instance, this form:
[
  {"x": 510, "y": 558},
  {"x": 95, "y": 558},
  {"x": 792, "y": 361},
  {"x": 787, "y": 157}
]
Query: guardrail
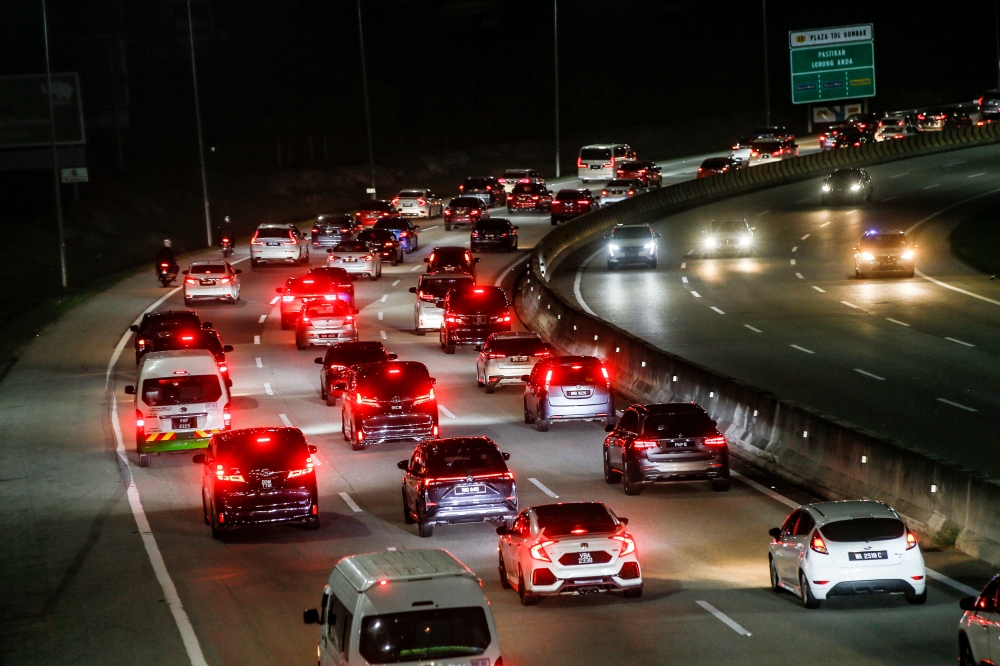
[{"x": 792, "y": 441}]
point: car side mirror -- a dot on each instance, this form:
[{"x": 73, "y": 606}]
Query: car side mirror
[
  {"x": 206, "y": 325},
  {"x": 478, "y": 348},
  {"x": 227, "y": 348},
  {"x": 185, "y": 272},
  {"x": 393, "y": 356},
  {"x": 412, "y": 290},
  {"x": 525, "y": 378},
  {"x": 623, "y": 521},
  {"x": 129, "y": 390},
  {"x": 310, "y": 616},
  {"x": 506, "y": 456},
  {"x": 238, "y": 270},
  {"x": 313, "y": 448},
  {"x": 656, "y": 235},
  {"x": 609, "y": 428},
  {"x": 229, "y": 383},
  {"x": 775, "y": 532},
  {"x": 476, "y": 260},
  {"x": 340, "y": 386},
  {"x": 968, "y": 603},
  {"x": 516, "y": 226},
  {"x": 318, "y": 360},
  {"x": 427, "y": 260},
  {"x": 403, "y": 465},
  {"x": 502, "y": 530},
  {"x": 279, "y": 290},
  {"x": 133, "y": 328},
  {"x": 198, "y": 459},
  {"x": 416, "y": 228},
  {"x": 433, "y": 380}
]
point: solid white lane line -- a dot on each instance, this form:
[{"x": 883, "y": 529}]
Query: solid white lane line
[
  {"x": 578, "y": 279},
  {"x": 763, "y": 214},
  {"x": 503, "y": 275},
  {"x": 805, "y": 237},
  {"x": 804, "y": 200},
  {"x": 931, "y": 187},
  {"x": 385, "y": 297},
  {"x": 803, "y": 349},
  {"x": 684, "y": 279},
  {"x": 380, "y": 315},
  {"x": 977, "y": 175},
  {"x": 384, "y": 336},
  {"x": 951, "y": 582},
  {"x": 825, "y": 224},
  {"x": 755, "y": 330},
  {"x": 967, "y": 344},
  {"x": 896, "y": 321},
  {"x": 268, "y": 389},
  {"x": 956, "y": 404},
  {"x": 868, "y": 374},
  {"x": 900, "y": 175},
  {"x": 541, "y": 486},
  {"x": 274, "y": 301},
  {"x": 793, "y": 262},
  {"x": 800, "y": 276},
  {"x": 415, "y": 268},
  {"x": 260, "y": 362},
  {"x": 285, "y": 420},
  {"x": 262, "y": 319},
  {"x": 351, "y": 503},
  {"x": 696, "y": 294},
  {"x": 822, "y": 291},
  {"x": 683, "y": 265},
  {"x": 256, "y": 339},
  {"x": 851, "y": 305},
  {"x": 447, "y": 412},
  {"x": 396, "y": 282},
  {"x": 947, "y": 165},
  {"x": 718, "y": 310},
  {"x": 889, "y": 198},
  {"x": 725, "y": 619},
  {"x": 795, "y": 248},
  {"x": 436, "y": 226},
  {"x": 954, "y": 288}
]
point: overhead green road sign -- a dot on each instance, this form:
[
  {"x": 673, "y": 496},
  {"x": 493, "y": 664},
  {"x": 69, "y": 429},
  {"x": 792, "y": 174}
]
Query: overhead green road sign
[{"x": 832, "y": 64}]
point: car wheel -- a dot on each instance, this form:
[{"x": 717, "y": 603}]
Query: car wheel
[
  {"x": 652, "y": 263},
  {"x": 343, "y": 427},
  {"x": 805, "y": 593},
  {"x": 407, "y": 518},
  {"x": 917, "y": 599},
  {"x": 631, "y": 487},
  {"x": 510, "y": 211},
  {"x": 965, "y": 656},
  {"x": 611, "y": 476},
  {"x": 425, "y": 530},
  {"x": 527, "y": 598},
  {"x": 143, "y": 460},
  {"x": 286, "y": 323},
  {"x": 449, "y": 348},
  {"x": 188, "y": 301},
  {"x": 373, "y": 276},
  {"x": 910, "y": 274},
  {"x": 612, "y": 265},
  {"x": 421, "y": 332},
  {"x": 721, "y": 485},
  {"x": 331, "y": 399},
  {"x": 555, "y": 220},
  {"x": 479, "y": 382},
  {"x": 528, "y": 418},
  {"x": 394, "y": 260},
  {"x": 775, "y": 581},
  {"x": 491, "y": 387},
  {"x": 542, "y": 425},
  {"x": 633, "y": 593},
  {"x": 301, "y": 344},
  {"x": 502, "y": 571},
  {"x": 204, "y": 509},
  {"x": 447, "y": 227},
  {"x": 610, "y": 421}
]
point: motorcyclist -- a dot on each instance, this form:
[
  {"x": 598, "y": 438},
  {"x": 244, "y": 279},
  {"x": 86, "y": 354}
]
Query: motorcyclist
[{"x": 165, "y": 255}]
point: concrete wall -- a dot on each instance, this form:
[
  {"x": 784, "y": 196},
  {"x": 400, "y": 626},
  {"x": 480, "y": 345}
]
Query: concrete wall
[{"x": 792, "y": 441}]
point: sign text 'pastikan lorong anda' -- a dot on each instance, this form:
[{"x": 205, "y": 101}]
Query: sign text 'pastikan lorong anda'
[{"x": 832, "y": 64}]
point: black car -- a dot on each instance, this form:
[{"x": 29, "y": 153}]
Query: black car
[
  {"x": 495, "y": 233},
  {"x": 457, "y": 480},
  {"x": 471, "y": 315},
  {"x": 387, "y": 402},
  {"x": 405, "y": 231},
  {"x": 385, "y": 242},
  {"x": 989, "y": 105},
  {"x": 256, "y": 476},
  {"x": 850, "y": 137},
  {"x": 675, "y": 441},
  {"x": 331, "y": 230},
  {"x": 957, "y": 120},
  {"x": 450, "y": 259},
  {"x": 865, "y": 122},
  {"x": 339, "y": 358},
  {"x": 153, "y": 322},
  {"x": 848, "y": 186},
  {"x": 529, "y": 196},
  {"x": 491, "y": 192}
]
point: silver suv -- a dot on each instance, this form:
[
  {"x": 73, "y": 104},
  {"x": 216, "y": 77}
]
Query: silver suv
[
  {"x": 632, "y": 244},
  {"x": 507, "y": 357},
  {"x": 568, "y": 388},
  {"x": 278, "y": 242}
]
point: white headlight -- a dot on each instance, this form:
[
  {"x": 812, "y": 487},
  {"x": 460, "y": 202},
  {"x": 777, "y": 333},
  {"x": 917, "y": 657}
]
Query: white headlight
[
  {"x": 613, "y": 247},
  {"x": 649, "y": 245},
  {"x": 709, "y": 241},
  {"x": 855, "y": 187},
  {"x": 908, "y": 254},
  {"x": 745, "y": 240},
  {"x": 826, "y": 187},
  {"x": 867, "y": 256}
]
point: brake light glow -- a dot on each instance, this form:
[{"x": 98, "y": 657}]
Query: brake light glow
[
  {"x": 817, "y": 543},
  {"x": 579, "y": 531},
  {"x": 187, "y": 337},
  {"x": 223, "y": 369},
  {"x": 548, "y": 379},
  {"x": 421, "y": 399},
  {"x": 911, "y": 540},
  {"x": 497, "y": 355},
  {"x": 394, "y": 371},
  {"x": 583, "y": 201},
  {"x": 366, "y": 401},
  {"x": 580, "y": 164},
  {"x": 642, "y": 444},
  {"x": 225, "y": 280},
  {"x": 302, "y": 472},
  {"x": 538, "y": 551},
  {"x": 234, "y": 476},
  {"x": 190, "y": 280},
  {"x": 628, "y": 544},
  {"x": 715, "y": 441},
  {"x": 139, "y": 421}
]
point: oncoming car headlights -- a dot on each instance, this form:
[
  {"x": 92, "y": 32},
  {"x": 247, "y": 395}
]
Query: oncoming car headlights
[
  {"x": 744, "y": 241},
  {"x": 650, "y": 245},
  {"x": 612, "y": 248},
  {"x": 826, "y": 187},
  {"x": 709, "y": 241},
  {"x": 908, "y": 254},
  {"x": 867, "y": 256},
  {"x": 855, "y": 187}
]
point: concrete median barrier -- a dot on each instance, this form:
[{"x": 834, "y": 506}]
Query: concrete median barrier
[{"x": 804, "y": 446}]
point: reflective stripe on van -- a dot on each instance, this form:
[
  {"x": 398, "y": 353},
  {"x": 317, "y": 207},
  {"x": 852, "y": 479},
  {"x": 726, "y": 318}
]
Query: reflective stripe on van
[{"x": 188, "y": 434}]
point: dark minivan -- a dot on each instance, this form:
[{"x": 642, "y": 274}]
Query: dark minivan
[
  {"x": 676, "y": 441},
  {"x": 256, "y": 476},
  {"x": 473, "y": 314},
  {"x": 389, "y": 401},
  {"x": 457, "y": 480}
]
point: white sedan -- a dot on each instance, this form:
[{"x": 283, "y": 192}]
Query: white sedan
[
  {"x": 568, "y": 548},
  {"x": 357, "y": 259},
  {"x": 211, "y": 280},
  {"x": 845, "y": 548}
]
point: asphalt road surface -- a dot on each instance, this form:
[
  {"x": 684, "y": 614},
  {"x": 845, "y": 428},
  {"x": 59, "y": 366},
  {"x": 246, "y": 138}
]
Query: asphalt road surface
[{"x": 84, "y": 582}]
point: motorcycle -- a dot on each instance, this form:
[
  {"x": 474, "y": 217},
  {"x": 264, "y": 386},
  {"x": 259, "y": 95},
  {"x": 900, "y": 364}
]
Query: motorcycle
[
  {"x": 227, "y": 246},
  {"x": 166, "y": 274}
]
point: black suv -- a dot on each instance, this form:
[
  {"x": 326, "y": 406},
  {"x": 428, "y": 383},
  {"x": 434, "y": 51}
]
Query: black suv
[
  {"x": 496, "y": 233},
  {"x": 389, "y": 401},
  {"x": 154, "y": 322},
  {"x": 676, "y": 441},
  {"x": 383, "y": 241},
  {"x": 339, "y": 358},
  {"x": 848, "y": 186},
  {"x": 487, "y": 189},
  {"x": 457, "y": 480},
  {"x": 254, "y": 476},
  {"x": 471, "y": 315},
  {"x": 450, "y": 259}
]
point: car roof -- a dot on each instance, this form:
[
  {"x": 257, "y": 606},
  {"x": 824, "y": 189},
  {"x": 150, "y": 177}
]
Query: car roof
[
  {"x": 673, "y": 408},
  {"x": 276, "y": 225},
  {"x": 165, "y": 363},
  {"x": 368, "y": 569},
  {"x": 450, "y": 248},
  {"x": 451, "y": 442},
  {"x": 845, "y": 509},
  {"x": 631, "y": 226},
  {"x": 890, "y": 232},
  {"x": 510, "y": 335}
]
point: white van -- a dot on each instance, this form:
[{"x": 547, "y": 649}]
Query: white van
[
  {"x": 599, "y": 161},
  {"x": 405, "y": 607},
  {"x": 181, "y": 400}
]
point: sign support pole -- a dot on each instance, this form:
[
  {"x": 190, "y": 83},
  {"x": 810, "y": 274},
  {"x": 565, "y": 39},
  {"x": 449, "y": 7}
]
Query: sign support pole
[
  {"x": 767, "y": 81},
  {"x": 555, "y": 33},
  {"x": 368, "y": 115},
  {"x": 809, "y": 119},
  {"x": 197, "y": 118},
  {"x": 55, "y": 153}
]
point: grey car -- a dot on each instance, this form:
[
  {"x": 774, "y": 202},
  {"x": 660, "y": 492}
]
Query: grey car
[
  {"x": 568, "y": 388},
  {"x": 847, "y": 186},
  {"x": 727, "y": 237},
  {"x": 632, "y": 244},
  {"x": 325, "y": 323}
]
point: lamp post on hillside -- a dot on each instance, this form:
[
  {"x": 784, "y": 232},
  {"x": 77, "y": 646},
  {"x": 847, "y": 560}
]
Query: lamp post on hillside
[
  {"x": 55, "y": 155},
  {"x": 364, "y": 87},
  {"x": 555, "y": 33},
  {"x": 767, "y": 80},
  {"x": 197, "y": 118}
]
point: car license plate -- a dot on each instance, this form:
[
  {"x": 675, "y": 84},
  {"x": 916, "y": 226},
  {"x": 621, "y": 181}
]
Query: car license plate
[
  {"x": 470, "y": 490},
  {"x": 519, "y": 359},
  {"x": 396, "y": 407},
  {"x": 273, "y": 244},
  {"x": 265, "y": 483},
  {"x": 407, "y": 204},
  {"x": 584, "y": 558},
  {"x": 327, "y": 335},
  {"x": 208, "y": 282},
  {"x": 868, "y": 555},
  {"x": 595, "y": 166},
  {"x": 577, "y": 393},
  {"x": 681, "y": 444},
  {"x": 350, "y": 259},
  {"x": 184, "y": 422}
]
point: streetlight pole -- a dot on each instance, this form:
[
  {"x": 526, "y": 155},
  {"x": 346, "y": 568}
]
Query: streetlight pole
[
  {"x": 364, "y": 87},
  {"x": 55, "y": 155},
  {"x": 197, "y": 117},
  {"x": 555, "y": 32},
  {"x": 996, "y": 27},
  {"x": 767, "y": 81}
]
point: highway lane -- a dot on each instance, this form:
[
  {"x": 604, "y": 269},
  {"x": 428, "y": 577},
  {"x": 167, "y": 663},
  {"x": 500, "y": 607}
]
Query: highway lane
[{"x": 909, "y": 358}]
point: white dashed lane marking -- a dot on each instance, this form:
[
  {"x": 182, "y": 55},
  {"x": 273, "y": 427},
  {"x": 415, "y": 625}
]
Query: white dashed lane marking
[
  {"x": 957, "y": 341},
  {"x": 800, "y": 276},
  {"x": 447, "y": 412},
  {"x": 385, "y": 297},
  {"x": 285, "y": 420},
  {"x": 851, "y": 305},
  {"x": 351, "y": 503},
  {"x": 868, "y": 374},
  {"x": 262, "y": 319},
  {"x": 822, "y": 291},
  {"x": 956, "y": 404},
  {"x": 274, "y": 301},
  {"x": 718, "y": 310},
  {"x": 755, "y": 330},
  {"x": 268, "y": 389},
  {"x": 896, "y": 321},
  {"x": 805, "y": 237},
  {"x": 802, "y": 349},
  {"x": 260, "y": 362},
  {"x": 384, "y": 336},
  {"x": 684, "y": 280},
  {"x": 696, "y": 294},
  {"x": 256, "y": 339},
  {"x": 541, "y": 486},
  {"x": 725, "y": 619},
  {"x": 396, "y": 282}
]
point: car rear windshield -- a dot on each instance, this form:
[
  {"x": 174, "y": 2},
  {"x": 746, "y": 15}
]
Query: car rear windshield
[
  {"x": 392, "y": 223},
  {"x": 864, "y": 529},
  {"x": 529, "y": 188},
  {"x": 336, "y": 308},
  {"x": 899, "y": 122},
  {"x": 564, "y": 519},
  {"x": 207, "y": 269},
  {"x": 476, "y": 183},
  {"x": 165, "y": 322},
  {"x": 351, "y": 247},
  {"x": 187, "y": 390},
  {"x": 439, "y": 287},
  {"x": 465, "y": 202},
  {"x": 465, "y": 459},
  {"x": 376, "y": 205},
  {"x": 885, "y": 241},
  {"x": 331, "y": 273},
  {"x": 519, "y": 346},
  {"x": 517, "y": 173},
  {"x": 196, "y": 340},
  {"x": 586, "y": 373},
  {"x": 386, "y": 380},
  {"x": 632, "y": 166},
  {"x": 678, "y": 425},
  {"x": 425, "y": 635},
  {"x": 276, "y": 450},
  {"x": 377, "y": 235},
  {"x": 715, "y": 163},
  {"x": 497, "y": 224},
  {"x": 767, "y": 146},
  {"x": 631, "y": 233},
  {"x": 570, "y": 195},
  {"x": 620, "y": 182},
  {"x": 412, "y": 194},
  {"x": 305, "y": 285},
  {"x": 273, "y": 232},
  {"x": 355, "y": 354},
  {"x": 487, "y": 299},
  {"x": 595, "y": 154},
  {"x": 729, "y": 225}
]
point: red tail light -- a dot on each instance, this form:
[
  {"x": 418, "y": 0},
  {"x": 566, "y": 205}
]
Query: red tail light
[
  {"x": 367, "y": 257},
  {"x": 225, "y": 281},
  {"x": 538, "y": 551},
  {"x": 715, "y": 441},
  {"x": 190, "y": 281},
  {"x": 395, "y": 200},
  {"x": 421, "y": 202},
  {"x": 361, "y": 400},
  {"x": 580, "y": 164},
  {"x": 165, "y": 265},
  {"x": 140, "y": 422},
  {"x": 476, "y": 212},
  {"x": 628, "y": 544},
  {"x": 817, "y": 543},
  {"x": 489, "y": 188},
  {"x": 447, "y": 213},
  {"x": 421, "y": 399},
  {"x": 227, "y": 418},
  {"x": 604, "y": 193},
  {"x": 498, "y": 355},
  {"x": 642, "y": 444},
  {"x": 502, "y": 180},
  {"x": 911, "y": 540},
  {"x": 631, "y": 192},
  {"x": 776, "y": 153},
  {"x": 235, "y": 476},
  {"x": 534, "y": 198},
  {"x": 583, "y": 201},
  {"x": 461, "y": 188},
  {"x": 548, "y": 379},
  {"x": 754, "y": 153}
]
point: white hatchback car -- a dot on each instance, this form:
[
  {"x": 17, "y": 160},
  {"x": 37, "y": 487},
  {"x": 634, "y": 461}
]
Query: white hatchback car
[
  {"x": 357, "y": 259},
  {"x": 568, "y": 548},
  {"x": 418, "y": 203},
  {"x": 211, "y": 280},
  {"x": 844, "y": 548}
]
